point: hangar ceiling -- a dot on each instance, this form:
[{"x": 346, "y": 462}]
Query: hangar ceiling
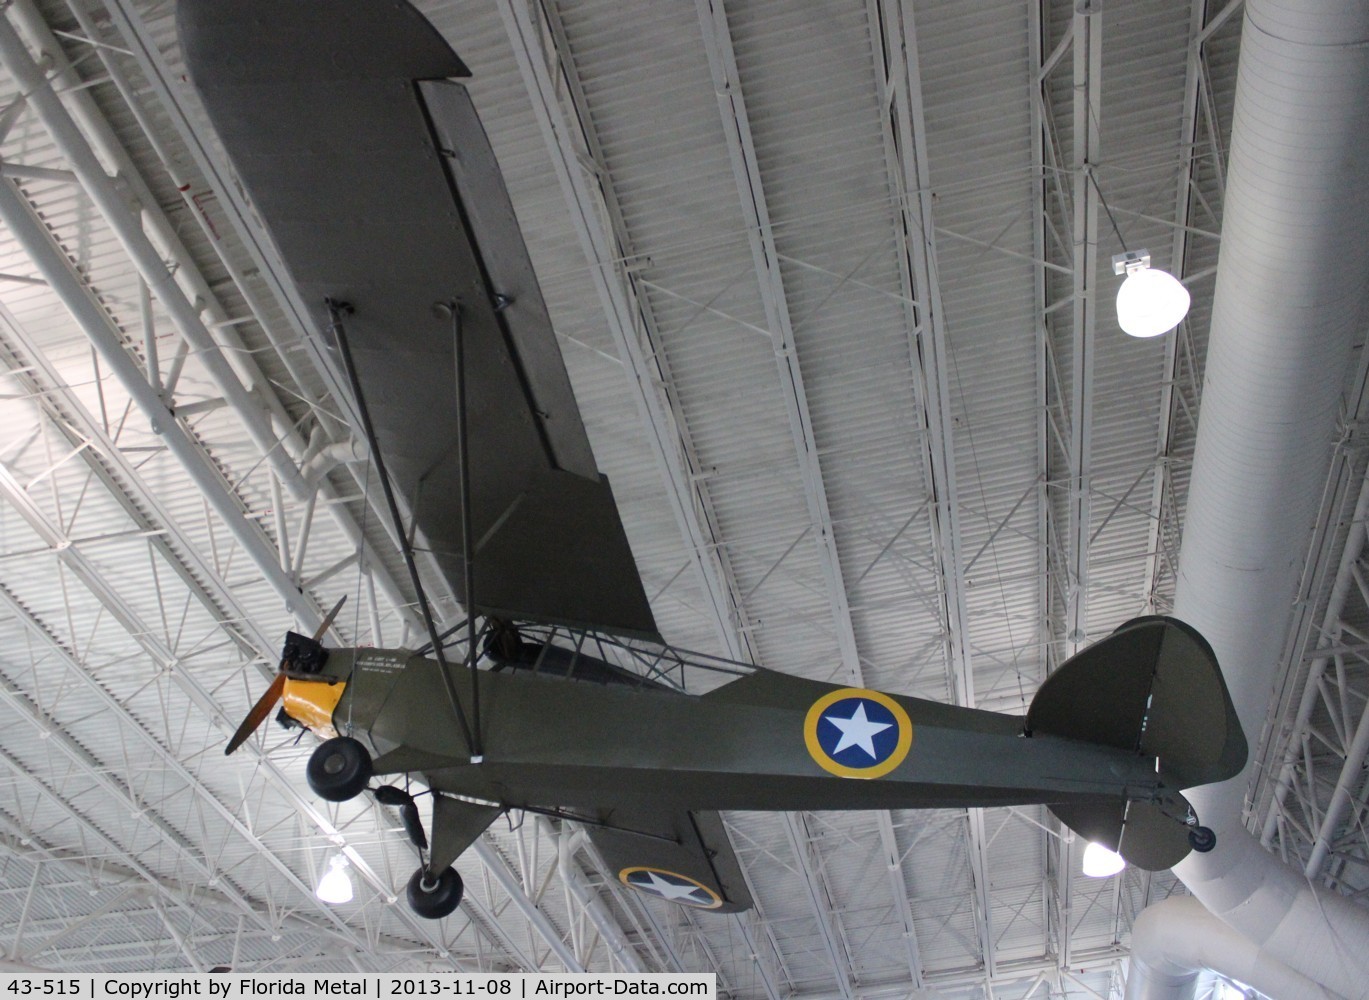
[{"x": 833, "y": 286}]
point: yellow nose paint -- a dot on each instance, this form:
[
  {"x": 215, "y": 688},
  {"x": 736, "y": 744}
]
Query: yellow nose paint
[{"x": 312, "y": 703}]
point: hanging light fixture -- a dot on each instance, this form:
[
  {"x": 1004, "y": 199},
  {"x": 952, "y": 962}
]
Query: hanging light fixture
[
  {"x": 336, "y": 885},
  {"x": 1150, "y": 301},
  {"x": 1099, "y": 862}
]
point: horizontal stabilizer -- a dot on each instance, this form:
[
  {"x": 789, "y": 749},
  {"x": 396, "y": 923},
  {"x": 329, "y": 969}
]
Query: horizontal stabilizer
[{"x": 1140, "y": 831}]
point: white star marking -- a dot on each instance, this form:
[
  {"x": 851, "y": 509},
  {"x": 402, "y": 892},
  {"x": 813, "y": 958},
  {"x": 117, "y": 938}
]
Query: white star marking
[
  {"x": 668, "y": 890},
  {"x": 857, "y": 731}
]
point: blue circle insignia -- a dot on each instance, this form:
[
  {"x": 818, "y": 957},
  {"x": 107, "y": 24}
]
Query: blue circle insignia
[{"x": 858, "y": 733}]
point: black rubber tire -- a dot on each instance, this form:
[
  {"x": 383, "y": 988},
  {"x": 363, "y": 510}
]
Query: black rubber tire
[
  {"x": 339, "y": 769},
  {"x": 442, "y": 900},
  {"x": 1202, "y": 839}
]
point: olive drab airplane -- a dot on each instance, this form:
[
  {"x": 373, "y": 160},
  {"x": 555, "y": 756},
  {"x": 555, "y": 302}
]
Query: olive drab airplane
[{"x": 363, "y": 155}]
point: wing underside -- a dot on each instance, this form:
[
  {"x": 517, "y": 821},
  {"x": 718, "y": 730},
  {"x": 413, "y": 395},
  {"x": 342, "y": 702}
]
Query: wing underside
[
  {"x": 684, "y": 857},
  {"x": 380, "y": 189}
]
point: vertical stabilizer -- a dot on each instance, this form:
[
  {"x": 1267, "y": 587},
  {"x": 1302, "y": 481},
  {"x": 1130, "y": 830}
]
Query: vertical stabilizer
[{"x": 1152, "y": 687}]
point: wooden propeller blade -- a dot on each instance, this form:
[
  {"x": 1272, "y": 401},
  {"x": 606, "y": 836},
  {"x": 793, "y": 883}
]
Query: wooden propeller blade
[
  {"x": 268, "y": 700},
  {"x": 259, "y": 712},
  {"x": 318, "y": 636}
]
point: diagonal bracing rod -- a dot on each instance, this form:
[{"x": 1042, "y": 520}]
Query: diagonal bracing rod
[{"x": 336, "y": 310}]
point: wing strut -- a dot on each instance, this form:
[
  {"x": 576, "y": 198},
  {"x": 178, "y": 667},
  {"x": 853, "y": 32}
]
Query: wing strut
[
  {"x": 467, "y": 529},
  {"x": 336, "y": 310}
]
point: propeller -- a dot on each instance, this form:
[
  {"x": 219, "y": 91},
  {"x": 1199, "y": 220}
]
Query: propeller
[{"x": 273, "y": 693}]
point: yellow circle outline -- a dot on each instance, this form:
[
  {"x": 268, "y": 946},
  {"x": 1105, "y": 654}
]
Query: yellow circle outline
[
  {"x": 815, "y": 750},
  {"x": 717, "y": 900}
]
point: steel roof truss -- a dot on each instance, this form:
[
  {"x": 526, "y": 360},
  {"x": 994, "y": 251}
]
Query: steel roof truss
[
  {"x": 262, "y": 403},
  {"x": 571, "y": 142},
  {"x": 907, "y": 159}
]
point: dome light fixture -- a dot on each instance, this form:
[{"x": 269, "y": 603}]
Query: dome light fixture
[
  {"x": 336, "y": 885},
  {"x": 1150, "y": 301},
  {"x": 1099, "y": 862}
]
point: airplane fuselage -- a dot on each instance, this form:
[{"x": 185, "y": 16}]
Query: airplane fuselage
[{"x": 763, "y": 741}]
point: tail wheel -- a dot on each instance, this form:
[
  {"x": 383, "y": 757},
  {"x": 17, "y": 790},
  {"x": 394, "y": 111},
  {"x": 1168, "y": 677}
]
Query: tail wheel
[
  {"x": 1202, "y": 839},
  {"x": 433, "y": 898},
  {"x": 339, "y": 769}
]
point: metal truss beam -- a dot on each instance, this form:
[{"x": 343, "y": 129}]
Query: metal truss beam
[
  {"x": 571, "y": 143},
  {"x": 1056, "y": 880},
  {"x": 717, "y": 39},
  {"x": 116, "y": 789},
  {"x": 107, "y": 595},
  {"x": 1326, "y": 657},
  {"x": 103, "y": 191},
  {"x": 333, "y": 437},
  {"x": 1064, "y": 549},
  {"x": 906, "y": 156},
  {"x": 1194, "y": 105},
  {"x": 256, "y": 401},
  {"x": 819, "y": 901},
  {"x": 1087, "y": 114},
  {"x": 69, "y": 417},
  {"x": 525, "y": 905},
  {"x": 1327, "y": 829},
  {"x": 25, "y": 845},
  {"x": 538, "y": 44},
  {"x": 18, "y": 215},
  {"x": 63, "y": 406},
  {"x": 96, "y": 833}
]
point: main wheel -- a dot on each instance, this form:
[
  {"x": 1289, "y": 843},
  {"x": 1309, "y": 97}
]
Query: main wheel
[
  {"x": 1202, "y": 839},
  {"x": 339, "y": 769},
  {"x": 434, "y": 898}
]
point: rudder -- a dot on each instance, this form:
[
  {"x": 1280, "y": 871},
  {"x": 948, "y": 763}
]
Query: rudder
[{"x": 1153, "y": 687}]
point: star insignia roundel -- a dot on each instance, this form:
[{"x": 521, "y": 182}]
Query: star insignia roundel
[
  {"x": 857, "y": 733},
  {"x": 670, "y": 885}
]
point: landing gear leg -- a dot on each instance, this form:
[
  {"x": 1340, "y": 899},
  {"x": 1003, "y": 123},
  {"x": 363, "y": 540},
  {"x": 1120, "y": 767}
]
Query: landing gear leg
[
  {"x": 1201, "y": 838},
  {"x": 433, "y": 898}
]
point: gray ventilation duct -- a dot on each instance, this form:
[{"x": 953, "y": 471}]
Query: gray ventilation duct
[
  {"x": 1174, "y": 940},
  {"x": 1290, "y": 299}
]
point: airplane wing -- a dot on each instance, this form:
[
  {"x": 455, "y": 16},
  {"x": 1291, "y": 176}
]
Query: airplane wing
[
  {"x": 379, "y": 188},
  {"x": 684, "y": 857}
]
